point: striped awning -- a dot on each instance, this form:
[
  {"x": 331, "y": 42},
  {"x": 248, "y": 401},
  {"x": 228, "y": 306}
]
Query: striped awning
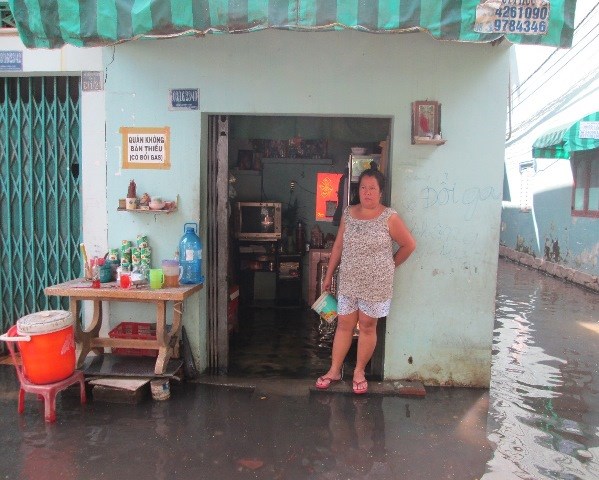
[
  {"x": 560, "y": 142},
  {"x": 552, "y": 144},
  {"x": 53, "y": 23}
]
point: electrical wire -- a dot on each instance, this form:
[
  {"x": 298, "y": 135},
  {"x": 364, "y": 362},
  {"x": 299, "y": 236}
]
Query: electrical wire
[
  {"x": 557, "y": 49},
  {"x": 552, "y": 107},
  {"x": 522, "y": 99}
]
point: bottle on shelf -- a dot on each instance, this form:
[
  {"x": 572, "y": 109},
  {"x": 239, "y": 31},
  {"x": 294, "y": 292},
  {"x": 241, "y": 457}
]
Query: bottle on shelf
[{"x": 300, "y": 238}]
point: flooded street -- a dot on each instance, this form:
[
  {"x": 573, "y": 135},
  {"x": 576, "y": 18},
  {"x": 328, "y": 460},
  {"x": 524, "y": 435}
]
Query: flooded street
[
  {"x": 544, "y": 397},
  {"x": 539, "y": 420}
]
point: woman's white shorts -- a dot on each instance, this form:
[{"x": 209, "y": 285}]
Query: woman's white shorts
[{"x": 347, "y": 305}]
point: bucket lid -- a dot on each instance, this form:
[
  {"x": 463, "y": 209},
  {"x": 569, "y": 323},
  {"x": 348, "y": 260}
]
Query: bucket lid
[{"x": 47, "y": 321}]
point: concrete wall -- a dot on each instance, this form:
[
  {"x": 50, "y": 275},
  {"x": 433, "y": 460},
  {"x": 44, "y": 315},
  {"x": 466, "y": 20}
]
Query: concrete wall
[
  {"x": 551, "y": 268},
  {"x": 548, "y": 230},
  {"x": 440, "y": 326}
]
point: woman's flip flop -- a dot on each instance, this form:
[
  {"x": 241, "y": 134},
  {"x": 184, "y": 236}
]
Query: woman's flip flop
[
  {"x": 323, "y": 383},
  {"x": 360, "y": 387}
]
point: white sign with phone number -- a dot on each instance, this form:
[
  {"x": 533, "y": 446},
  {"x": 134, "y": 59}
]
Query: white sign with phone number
[
  {"x": 524, "y": 17},
  {"x": 589, "y": 130}
]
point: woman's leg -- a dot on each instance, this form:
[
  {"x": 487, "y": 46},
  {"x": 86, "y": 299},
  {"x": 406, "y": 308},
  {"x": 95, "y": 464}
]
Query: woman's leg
[
  {"x": 341, "y": 343},
  {"x": 366, "y": 344}
]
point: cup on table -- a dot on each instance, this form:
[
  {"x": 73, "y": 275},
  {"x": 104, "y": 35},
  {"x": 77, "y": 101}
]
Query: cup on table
[
  {"x": 156, "y": 278},
  {"x": 171, "y": 273},
  {"x": 125, "y": 280}
]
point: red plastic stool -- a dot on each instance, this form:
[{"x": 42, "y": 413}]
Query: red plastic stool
[{"x": 47, "y": 391}]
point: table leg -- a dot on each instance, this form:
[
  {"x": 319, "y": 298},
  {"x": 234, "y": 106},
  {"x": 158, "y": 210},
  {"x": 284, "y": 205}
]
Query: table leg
[
  {"x": 176, "y": 330},
  {"x": 83, "y": 337},
  {"x": 168, "y": 341},
  {"x": 164, "y": 349}
]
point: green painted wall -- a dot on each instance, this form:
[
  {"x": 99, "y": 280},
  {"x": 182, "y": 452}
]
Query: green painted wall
[{"x": 440, "y": 326}]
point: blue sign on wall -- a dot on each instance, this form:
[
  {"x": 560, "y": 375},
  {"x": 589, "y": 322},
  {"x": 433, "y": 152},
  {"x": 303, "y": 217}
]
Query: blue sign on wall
[
  {"x": 11, "y": 60},
  {"x": 184, "y": 99}
]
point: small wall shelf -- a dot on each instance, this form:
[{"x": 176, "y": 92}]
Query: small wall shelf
[
  {"x": 298, "y": 160},
  {"x": 239, "y": 172},
  {"x": 143, "y": 210},
  {"x": 148, "y": 210},
  {"x": 428, "y": 141}
]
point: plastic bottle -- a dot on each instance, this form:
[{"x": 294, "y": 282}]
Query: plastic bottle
[
  {"x": 300, "y": 238},
  {"x": 95, "y": 273},
  {"x": 190, "y": 255}
]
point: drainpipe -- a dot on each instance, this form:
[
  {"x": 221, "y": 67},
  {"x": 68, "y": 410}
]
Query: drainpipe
[{"x": 509, "y": 108}]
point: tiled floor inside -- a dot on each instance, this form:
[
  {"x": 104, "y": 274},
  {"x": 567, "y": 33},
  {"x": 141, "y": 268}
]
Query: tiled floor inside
[{"x": 279, "y": 342}]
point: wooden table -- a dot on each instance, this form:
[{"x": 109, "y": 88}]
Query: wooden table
[{"x": 166, "y": 342}]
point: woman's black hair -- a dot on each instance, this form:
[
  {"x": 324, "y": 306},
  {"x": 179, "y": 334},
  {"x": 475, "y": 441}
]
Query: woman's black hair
[{"x": 374, "y": 171}]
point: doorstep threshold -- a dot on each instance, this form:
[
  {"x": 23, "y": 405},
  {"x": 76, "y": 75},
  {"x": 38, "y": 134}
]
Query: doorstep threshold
[{"x": 302, "y": 386}]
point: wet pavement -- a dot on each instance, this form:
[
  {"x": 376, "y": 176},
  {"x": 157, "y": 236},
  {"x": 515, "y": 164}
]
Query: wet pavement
[{"x": 540, "y": 418}]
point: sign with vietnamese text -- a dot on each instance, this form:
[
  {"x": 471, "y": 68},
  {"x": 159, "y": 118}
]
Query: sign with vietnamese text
[
  {"x": 11, "y": 60},
  {"x": 589, "y": 130},
  {"x": 184, "y": 99},
  {"x": 146, "y": 147},
  {"x": 522, "y": 17},
  {"x": 92, "y": 82}
]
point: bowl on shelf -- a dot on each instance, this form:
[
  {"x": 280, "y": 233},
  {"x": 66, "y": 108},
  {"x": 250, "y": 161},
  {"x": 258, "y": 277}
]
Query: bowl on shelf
[
  {"x": 358, "y": 150},
  {"x": 156, "y": 205}
]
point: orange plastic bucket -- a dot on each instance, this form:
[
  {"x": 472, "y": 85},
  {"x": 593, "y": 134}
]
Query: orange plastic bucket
[{"x": 49, "y": 354}]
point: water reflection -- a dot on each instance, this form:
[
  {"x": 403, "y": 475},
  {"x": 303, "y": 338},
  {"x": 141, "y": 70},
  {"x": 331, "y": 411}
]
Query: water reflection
[
  {"x": 544, "y": 387},
  {"x": 356, "y": 429}
]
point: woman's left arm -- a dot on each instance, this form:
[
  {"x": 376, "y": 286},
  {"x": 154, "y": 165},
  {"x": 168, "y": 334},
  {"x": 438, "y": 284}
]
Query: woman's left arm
[{"x": 402, "y": 236}]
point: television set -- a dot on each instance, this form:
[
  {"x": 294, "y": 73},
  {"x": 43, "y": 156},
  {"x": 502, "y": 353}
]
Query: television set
[{"x": 259, "y": 221}]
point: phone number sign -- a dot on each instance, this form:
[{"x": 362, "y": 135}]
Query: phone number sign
[
  {"x": 184, "y": 99},
  {"x": 524, "y": 17}
]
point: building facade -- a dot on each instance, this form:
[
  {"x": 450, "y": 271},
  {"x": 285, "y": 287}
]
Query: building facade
[{"x": 449, "y": 193}]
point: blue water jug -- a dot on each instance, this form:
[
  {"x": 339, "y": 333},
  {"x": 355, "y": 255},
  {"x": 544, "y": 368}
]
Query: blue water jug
[{"x": 190, "y": 255}]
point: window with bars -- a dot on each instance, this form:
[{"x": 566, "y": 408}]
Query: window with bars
[
  {"x": 6, "y": 19},
  {"x": 585, "y": 194}
]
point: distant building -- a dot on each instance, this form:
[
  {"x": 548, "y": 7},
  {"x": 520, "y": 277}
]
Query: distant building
[{"x": 550, "y": 215}]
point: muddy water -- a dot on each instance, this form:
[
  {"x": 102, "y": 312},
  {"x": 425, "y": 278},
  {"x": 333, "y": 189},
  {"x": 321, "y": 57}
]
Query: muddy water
[
  {"x": 544, "y": 398},
  {"x": 539, "y": 419}
]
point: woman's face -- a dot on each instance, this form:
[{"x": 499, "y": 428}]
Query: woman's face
[{"x": 370, "y": 193}]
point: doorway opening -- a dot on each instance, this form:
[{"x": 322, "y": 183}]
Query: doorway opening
[{"x": 288, "y": 180}]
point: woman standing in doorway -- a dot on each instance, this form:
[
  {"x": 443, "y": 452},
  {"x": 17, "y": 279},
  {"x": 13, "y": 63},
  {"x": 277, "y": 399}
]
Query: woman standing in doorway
[{"x": 363, "y": 250}]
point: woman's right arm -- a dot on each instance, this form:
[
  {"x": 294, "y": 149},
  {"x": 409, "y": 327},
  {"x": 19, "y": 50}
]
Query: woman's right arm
[{"x": 335, "y": 257}]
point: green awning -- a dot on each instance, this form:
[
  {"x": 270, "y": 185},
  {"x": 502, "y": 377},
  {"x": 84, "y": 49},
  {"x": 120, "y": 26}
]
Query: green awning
[
  {"x": 552, "y": 144},
  {"x": 560, "y": 142},
  {"x": 52, "y": 23},
  {"x": 584, "y": 134}
]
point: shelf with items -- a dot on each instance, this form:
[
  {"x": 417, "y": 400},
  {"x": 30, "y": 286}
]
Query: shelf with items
[
  {"x": 169, "y": 207},
  {"x": 289, "y": 267},
  {"x": 243, "y": 172},
  {"x": 299, "y": 160},
  {"x": 289, "y": 279},
  {"x": 265, "y": 257}
]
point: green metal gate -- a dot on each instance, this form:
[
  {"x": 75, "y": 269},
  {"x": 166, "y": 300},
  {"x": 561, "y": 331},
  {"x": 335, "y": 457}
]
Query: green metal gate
[{"x": 40, "y": 209}]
